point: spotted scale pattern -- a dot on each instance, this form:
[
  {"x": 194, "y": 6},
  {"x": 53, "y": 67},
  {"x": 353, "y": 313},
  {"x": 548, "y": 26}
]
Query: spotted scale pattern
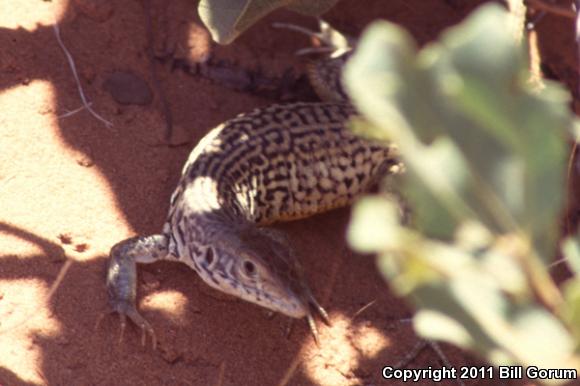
[{"x": 277, "y": 163}]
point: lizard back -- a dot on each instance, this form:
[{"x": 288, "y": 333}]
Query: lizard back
[{"x": 279, "y": 163}]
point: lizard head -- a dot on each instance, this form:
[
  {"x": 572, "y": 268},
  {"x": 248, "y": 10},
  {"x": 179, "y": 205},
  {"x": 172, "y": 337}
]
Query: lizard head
[{"x": 257, "y": 265}]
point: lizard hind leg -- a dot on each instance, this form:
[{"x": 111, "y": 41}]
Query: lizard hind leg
[{"x": 122, "y": 278}]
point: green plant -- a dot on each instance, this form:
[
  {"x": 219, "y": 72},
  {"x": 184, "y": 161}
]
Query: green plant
[
  {"x": 226, "y": 19},
  {"x": 486, "y": 159}
]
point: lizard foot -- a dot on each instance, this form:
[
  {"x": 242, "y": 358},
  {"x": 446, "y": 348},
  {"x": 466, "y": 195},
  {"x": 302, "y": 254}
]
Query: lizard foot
[
  {"x": 122, "y": 279},
  {"x": 135, "y": 317}
]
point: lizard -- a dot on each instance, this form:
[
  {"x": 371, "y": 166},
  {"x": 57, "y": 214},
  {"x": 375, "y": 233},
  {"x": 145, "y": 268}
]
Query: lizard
[{"x": 278, "y": 163}]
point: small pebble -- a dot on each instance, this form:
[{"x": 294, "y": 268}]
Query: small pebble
[
  {"x": 81, "y": 247},
  {"x": 127, "y": 88},
  {"x": 65, "y": 238}
]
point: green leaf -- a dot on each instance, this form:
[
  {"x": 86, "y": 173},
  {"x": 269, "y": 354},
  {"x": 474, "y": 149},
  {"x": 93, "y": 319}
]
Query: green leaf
[
  {"x": 541, "y": 339},
  {"x": 571, "y": 309},
  {"x": 373, "y": 226},
  {"x": 310, "y": 7},
  {"x": 485, "y": 157},
  {"x": 227, "y": 19},
  {"x": 471, "y": 312},
  {"x": 441, "y": 170},
  {"x": 571, "y": 251},
  {"x": 508, "y": 274},
  {"x": 471, "y": 90}
]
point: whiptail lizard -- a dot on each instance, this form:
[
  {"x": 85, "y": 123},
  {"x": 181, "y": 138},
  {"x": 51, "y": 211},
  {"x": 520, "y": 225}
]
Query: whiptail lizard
[{"x": 278, "y": 163}]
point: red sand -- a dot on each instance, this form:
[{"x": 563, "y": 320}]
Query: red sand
[{"x": 70, "y": 188}]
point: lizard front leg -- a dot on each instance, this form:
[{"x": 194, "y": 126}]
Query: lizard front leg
[{"x": 122, "y": 278}]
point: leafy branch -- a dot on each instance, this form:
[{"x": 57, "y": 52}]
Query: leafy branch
[{"x": 486, "y": 158}]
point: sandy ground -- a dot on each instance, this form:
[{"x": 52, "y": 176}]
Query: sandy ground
[{"x": 71, "y": 187}]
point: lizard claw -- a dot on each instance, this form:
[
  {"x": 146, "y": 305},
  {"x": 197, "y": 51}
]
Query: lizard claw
[
  {"x": 315, "y": 306},
  {"x": 320, "y": 310},
  {"x": 136, "y": 318},
  {"x": 140, "y": 321},
  {"x": 313, "y": 329}
]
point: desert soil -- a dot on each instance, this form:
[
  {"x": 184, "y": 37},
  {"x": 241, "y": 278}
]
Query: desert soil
[{"x": 71, "y": 187}]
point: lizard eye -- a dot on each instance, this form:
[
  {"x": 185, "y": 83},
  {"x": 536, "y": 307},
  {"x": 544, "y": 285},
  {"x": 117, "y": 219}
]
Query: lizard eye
[
  {"x": 209, "y": 256},
  {"x": 249, "y": 268}
]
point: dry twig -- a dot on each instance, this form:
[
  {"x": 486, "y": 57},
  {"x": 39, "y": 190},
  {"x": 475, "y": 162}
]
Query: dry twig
[{"x": 73, "y": 68}]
